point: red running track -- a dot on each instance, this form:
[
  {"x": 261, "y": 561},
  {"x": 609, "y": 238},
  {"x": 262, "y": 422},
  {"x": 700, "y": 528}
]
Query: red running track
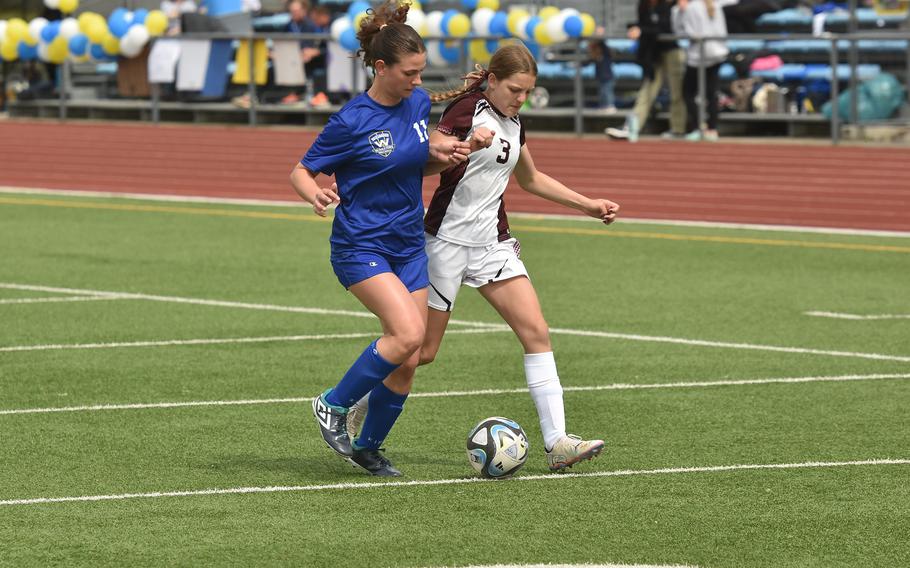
[{"x": 788, "y": 184}]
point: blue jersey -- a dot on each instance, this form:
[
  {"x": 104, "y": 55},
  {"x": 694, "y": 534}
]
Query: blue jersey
[{"x": 377, "y": 154}]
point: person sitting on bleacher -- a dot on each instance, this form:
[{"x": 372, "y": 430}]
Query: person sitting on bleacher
[
  {"x": 699, "y": 19},
  {"x": 174, "y": 9},
  {"x": 312, "y": 53}
]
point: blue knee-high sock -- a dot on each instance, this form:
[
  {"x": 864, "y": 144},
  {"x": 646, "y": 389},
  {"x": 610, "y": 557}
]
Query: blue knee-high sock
[
  {"x": 384, "y": 408},
  {"x": 367, "y": 371}
]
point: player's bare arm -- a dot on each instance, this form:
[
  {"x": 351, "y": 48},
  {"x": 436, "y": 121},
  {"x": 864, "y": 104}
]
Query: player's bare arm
[{"x": 538, "y": 183}]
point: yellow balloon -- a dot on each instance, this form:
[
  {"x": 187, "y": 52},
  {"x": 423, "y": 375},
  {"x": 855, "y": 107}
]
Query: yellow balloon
[
  {"x": 9, "y": 51},
  {"x": 588, "y": 25},
  {"x": 96, "y": 30},
  {"x": 68, "y": 6},
  {"x": 156, "y": 22},
  {"x": 478, "y": 52},
  {"x": 459, "y": 25},
  {"x": 491, "y": 4},
  {"x": 27, "y": 39},
  {"x": 513, "y": 18},
  {"x": 415, "y": 5},
  {"x": 58, "y": 49},
  {"x": 16, "y": 29},
  {"x": 541, "y": 36},
  {"x": 547, "y": 13},
  {"x": 111, "y": 45},
  {"x": 357, "y": 19}
]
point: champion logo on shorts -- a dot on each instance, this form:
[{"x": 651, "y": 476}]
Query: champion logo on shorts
[
  {"x": 382, "y": 143},
  {"x": 374, "y": 263}
]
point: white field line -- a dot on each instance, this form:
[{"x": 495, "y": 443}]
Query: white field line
[
  {"x": 838, "y": 315},
  {"x": 482, "y": 392},
  {"x": 543, "y": 216},
  {"x": 53, "y": 300},
  {"x": 580, "y": 566},
  {"x": 454, "y": 481},
  {"x": 214, "y": 341},
  {"x": 474, "y": 324},
  {"x": 727, "y": 345}
]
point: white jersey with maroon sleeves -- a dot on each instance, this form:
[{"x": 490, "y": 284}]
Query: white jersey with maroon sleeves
[{"x": 468, "y": 207}]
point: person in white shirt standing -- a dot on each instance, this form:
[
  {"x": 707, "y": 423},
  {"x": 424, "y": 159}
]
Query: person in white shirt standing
[
  {"x": 469, "y": 242},
  {"x": 699, "y": 19}
]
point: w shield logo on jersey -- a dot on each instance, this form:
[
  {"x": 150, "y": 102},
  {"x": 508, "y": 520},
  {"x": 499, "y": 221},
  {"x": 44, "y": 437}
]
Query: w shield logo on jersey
[{"x": 382, "y": 143}]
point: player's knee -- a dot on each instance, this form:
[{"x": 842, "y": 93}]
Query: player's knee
[
  {"x": 428, "y": 355},
  {"x": 537, "y": 335},
  {"x": 410, "y": 338}
]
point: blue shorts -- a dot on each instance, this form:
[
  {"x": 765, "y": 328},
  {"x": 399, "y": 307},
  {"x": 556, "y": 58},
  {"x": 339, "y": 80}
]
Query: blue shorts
[{"x": 356, "y": 266}]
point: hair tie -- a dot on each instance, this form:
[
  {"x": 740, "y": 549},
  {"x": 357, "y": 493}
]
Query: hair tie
[{"x": 382, "y": 26}]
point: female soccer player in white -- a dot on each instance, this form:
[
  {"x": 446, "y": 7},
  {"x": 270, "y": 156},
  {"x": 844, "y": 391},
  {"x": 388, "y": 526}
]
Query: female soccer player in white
[{"x": 468, "y": 238}]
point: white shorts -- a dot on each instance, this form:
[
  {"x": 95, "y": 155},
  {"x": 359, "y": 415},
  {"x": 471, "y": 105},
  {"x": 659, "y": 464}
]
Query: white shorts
[{"x": 450, "y": 265}]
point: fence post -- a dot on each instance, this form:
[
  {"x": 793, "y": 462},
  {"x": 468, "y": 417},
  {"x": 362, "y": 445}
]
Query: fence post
[
  {"x": 64, "y": 86},
  {"x": 702, "y": 85},
  {"x": 156, "y": 102},
  {"x": 835, "y": 93},
  {"x": 251, "y": 86},
  {"x": 579, "y": 91}
]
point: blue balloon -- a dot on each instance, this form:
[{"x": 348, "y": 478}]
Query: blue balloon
[
  {"x": 78, "y": 44},
  {"x": 97, "y": 51},
  {"x": 533, "y": 22},
  {"x": 499, "y": 25},
  {"x": 50, "y": 31},
  {"x": 469, "y": 4},
  {"x": 349, "y": 40},
  {"x": 27, "y": 52},
  {"x": 357, "y": 7},
  {"x": 573, "y": 26},
  {"x": 449, "y": 52},
  {"x": 119, "y": 22},
  {"x": 492, "y": 45},
  {"x": 534, "y": 48},
  {"x": 140, "y": 15}
]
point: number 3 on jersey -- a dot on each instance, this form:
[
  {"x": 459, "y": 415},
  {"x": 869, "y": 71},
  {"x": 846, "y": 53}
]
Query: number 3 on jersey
[
  {"x": 421, "y": 128},
  {"x": 506, "y": 146}
]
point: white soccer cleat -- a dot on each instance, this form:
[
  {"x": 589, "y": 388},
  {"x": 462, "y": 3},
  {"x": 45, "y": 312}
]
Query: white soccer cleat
[{"x": 571, "y": 450}]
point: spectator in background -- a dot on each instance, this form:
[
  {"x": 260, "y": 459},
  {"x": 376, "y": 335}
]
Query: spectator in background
[
  {"x": 174, "y": 9},
  {"x": 311, "y": 55},
  {"x": 698, "y": 19},
  {"x": 661, "y": 62},
  {"x": 599, "y": 53}
]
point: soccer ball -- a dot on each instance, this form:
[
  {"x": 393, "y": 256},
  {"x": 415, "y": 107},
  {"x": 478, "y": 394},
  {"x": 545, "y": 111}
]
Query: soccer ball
[{"x": 497, "y": 447}]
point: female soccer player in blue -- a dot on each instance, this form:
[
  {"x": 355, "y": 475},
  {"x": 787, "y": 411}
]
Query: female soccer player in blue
[{"x": 378, "y": 147}]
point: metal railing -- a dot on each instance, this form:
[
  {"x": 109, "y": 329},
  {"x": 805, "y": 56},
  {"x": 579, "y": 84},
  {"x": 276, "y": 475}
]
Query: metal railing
[{"x": 576, "y": 58}]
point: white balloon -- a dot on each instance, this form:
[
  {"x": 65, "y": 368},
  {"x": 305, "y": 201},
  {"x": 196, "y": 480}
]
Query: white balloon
[
  {"x": 417, "y": 19},
  {"x": 434, "y": 55},
  {"x": 3, "y": 30},
  {"x": 480, "y": 21},
  {"x": 338, "y": 27},
  {"x": 42, "y": 52},
  {"x": 566, "y": 12},
  {"x": 129, "y": 48},
  {"x": 35, "y": 27},
  {"x": 520, "y": 26},
  {"x": 555, "y": 28},
  {"x": 52, "y": 4},
  {"x": 434, "y": 23},
  {"x": 68, "y": 28},
  {"x": 138, "y": 35}
]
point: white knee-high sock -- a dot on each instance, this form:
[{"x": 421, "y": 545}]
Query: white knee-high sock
[{"x": 546, "y": 390}]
